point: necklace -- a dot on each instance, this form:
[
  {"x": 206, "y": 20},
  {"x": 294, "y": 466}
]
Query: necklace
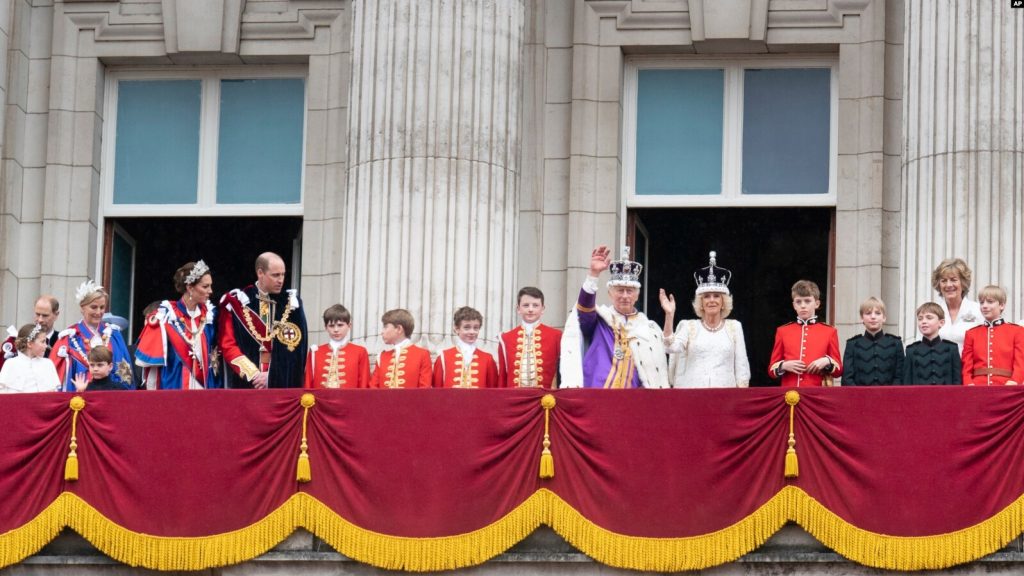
[
  {"x": 716, "y": 328},
  {"x": 82, "y": 345},
  {"x": 273, "y": 331},
  {"x": 192, "y": 337}
]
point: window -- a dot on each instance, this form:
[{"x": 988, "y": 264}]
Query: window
[
  {"x": 715, "y": 132},
  {"x": 229, "y": 142}
]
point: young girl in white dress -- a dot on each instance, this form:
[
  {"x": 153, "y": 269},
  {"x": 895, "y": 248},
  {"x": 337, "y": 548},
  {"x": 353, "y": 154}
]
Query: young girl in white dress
[
  {"x": 708, "y": 352},
  {"x": 30, "y": 370}
]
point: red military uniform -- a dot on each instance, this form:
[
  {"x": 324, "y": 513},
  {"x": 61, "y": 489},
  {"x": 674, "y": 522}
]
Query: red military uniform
[
  {"x": 532, "y": 363},
  {"x": 805, "y": 342},
  {"x": 450, "y": 370},
  {"x": 346, "y": 367},
  {"x": 409, "y": 367},
  {"x": 993, "y": 354}
]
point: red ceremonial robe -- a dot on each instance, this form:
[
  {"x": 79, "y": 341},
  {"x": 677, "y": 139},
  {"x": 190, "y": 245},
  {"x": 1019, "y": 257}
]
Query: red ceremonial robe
[
  {"x": 805, "y": 342},
  {"x": 449, "y": 370},
  {"x": 409, "y": 368},
  {"x": 546, "y": 342},
  {"x": 348, "y": 367}
]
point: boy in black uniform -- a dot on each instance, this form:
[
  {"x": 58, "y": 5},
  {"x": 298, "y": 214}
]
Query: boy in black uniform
[
  {"x": 932, "y": 360},
  {"x": 873, "y": 358},
  {"x": 100, "y": 364}
]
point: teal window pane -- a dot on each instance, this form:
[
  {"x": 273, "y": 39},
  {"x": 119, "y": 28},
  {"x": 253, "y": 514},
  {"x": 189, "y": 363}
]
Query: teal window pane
[
  {"x": 156, "y": 155},
  {"x": 121, "y": 271},
  {"x": 260, "y": 154},
  {"x": 786, "y": 128},
  {"x": 679, "y": 132}
]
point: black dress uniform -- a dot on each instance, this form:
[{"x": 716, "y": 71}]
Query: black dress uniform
[
  {"x": 873, "y": 360},
  {"x": 934, "y": 361}
]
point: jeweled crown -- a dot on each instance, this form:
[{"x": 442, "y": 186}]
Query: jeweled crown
[
  {"x": 712, "y": 278},
  {"x": 625, "y": 272}
]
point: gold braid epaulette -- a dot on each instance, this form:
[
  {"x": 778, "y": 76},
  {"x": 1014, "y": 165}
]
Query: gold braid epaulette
[{"x": 277, "y": 324}]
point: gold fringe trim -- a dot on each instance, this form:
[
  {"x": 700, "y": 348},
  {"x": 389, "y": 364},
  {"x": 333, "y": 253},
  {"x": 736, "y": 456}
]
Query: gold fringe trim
[{"x": 478, "y": 546}]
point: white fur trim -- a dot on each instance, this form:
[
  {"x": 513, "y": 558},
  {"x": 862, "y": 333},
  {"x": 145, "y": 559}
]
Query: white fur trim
[{"x": 571, "y": 363}]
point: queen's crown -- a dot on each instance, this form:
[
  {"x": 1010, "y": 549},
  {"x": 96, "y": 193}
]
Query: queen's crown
[{"x": 712, "y": 278}]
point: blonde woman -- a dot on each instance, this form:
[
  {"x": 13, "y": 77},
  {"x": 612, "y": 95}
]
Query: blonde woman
[
  {"x": 70, "y": 353},
  {"x": 952, "y": 280},
  {"x": 708, "y": 352}
]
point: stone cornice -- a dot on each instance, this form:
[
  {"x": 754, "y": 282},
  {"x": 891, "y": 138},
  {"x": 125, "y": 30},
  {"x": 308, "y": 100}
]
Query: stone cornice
[
  {"x": 116, "y": 34},
  {"x": 686, "y": 22}
]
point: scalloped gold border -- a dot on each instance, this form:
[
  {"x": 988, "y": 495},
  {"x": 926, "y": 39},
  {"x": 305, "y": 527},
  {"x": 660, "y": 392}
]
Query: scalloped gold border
[{"x": 478, "y": 546}]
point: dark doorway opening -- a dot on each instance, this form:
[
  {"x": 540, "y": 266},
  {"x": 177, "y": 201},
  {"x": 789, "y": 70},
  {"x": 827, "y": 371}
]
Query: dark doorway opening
[
  {"x": 767, "y": 250},
  {"x": 228, "y": 245}
]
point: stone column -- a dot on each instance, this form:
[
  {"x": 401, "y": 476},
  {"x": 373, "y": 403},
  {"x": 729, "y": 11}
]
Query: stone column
[
  {"x": 963, "y": 166},
  {"x": 25, "y": 30},
  {"x": 433, "y": 163}
]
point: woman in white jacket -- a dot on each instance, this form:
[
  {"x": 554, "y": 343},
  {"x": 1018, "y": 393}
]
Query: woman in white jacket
[{"x": 708, "y": 352}]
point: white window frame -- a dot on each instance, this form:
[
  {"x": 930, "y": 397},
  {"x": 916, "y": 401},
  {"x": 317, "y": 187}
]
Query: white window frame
[
  {"x": 732, "y": 133},
  {"x": 209, "y": 139}
]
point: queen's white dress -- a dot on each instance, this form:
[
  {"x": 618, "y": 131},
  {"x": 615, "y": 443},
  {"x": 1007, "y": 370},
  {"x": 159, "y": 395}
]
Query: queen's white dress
[{"x": 701, "y": 358}]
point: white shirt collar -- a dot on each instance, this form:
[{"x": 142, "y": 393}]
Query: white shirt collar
[
  {"x": 467, "y": 350},
  {"x": 401, "y": 345},
  {"x": 339, "y": 344},
  {"x": 529, "y": 326}
]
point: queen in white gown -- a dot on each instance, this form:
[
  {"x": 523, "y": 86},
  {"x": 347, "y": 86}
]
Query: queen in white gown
[{"x": 708, "y": 352}]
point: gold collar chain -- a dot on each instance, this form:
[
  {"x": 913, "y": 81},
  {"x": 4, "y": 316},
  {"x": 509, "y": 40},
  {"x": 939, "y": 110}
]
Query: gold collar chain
[{"x": 274, "y": 331}]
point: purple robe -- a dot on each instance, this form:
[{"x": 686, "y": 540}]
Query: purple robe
[{"x": 598, "y": 360}]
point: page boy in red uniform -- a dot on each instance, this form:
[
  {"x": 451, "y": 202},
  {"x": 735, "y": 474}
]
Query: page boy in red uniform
[
  {"x": 994, "y": 351},
  {"x": 339, "y": 363},
  {"x": 528, "y": 354},
  {"x": 806, "y": 352},
  {"x": 464, "y": 365},
  {"x": 405, "y": 365}
]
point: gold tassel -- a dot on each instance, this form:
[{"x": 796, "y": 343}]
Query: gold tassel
[
  {"x": 71, "y": 465},
  {"x": 303, "y": 473},
  {"x": 547, "y": 461},
  {"x": 792, "y": 464}
]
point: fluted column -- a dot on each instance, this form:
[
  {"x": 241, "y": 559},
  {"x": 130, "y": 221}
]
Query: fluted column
[
  {"x": 433, "y": 163},
  {"x": 963, "y": 169}
]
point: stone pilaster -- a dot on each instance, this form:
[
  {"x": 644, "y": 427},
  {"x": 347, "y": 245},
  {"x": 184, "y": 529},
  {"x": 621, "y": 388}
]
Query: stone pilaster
[
  {"x": 433, "y": 163},
  {"x": 963, "y": 165},
  {"x": 26, "y": 32}
]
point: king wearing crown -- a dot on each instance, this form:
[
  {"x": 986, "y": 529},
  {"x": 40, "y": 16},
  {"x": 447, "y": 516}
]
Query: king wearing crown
[{"x": 612, "y": 346}]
